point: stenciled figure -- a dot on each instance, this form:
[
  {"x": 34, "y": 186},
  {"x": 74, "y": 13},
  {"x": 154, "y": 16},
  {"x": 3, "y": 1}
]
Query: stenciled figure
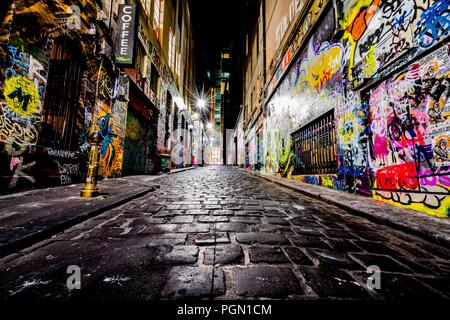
[
  {"x": 107, "y": 150},
  {"x": 429, "y": 78},
  {"x": 435, "y": 112},
  {"x": 440, "y": 151}
]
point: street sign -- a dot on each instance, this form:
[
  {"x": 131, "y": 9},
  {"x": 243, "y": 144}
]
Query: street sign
[{"x": 125, "y": 45}]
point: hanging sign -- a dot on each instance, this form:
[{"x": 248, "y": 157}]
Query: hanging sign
[{"x": 126, "y": 32}]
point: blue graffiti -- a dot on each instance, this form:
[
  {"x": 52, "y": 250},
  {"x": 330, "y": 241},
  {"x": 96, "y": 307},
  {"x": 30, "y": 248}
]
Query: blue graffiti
[
  {"x": 434, "y": 24},
  {"x": 350, "y": 171},
  {"x": 312, "y": 180},
  {"x": 19, "y": 61},
  {"x": 107, "y": 148},
  {"x": 399, "y": 21},
  {"x": 339, "y": 184}
]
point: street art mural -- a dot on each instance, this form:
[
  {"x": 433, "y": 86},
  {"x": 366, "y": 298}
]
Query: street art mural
[
  {"x": 110, "y": 120},
  {"x": 387, "y": 80},
  {"x": 378, "y": 32},
  {"x": 23, "y": 91},
  {"x": 410, "y": 127},
  {"x": 310, "y": 89},
  {"x": 22, "y": 95},
  {"x": 29, "y": 33}
]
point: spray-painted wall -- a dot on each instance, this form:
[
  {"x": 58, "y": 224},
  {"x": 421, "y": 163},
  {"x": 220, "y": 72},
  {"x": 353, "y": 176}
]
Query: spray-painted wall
[
  {"x": 312, "y": 87},
  {"x": 384, "y": 70},
  {"x": 28, "y": 156}
]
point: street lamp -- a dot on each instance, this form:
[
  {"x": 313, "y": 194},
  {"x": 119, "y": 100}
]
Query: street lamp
[{"x": 201, "y": 104}]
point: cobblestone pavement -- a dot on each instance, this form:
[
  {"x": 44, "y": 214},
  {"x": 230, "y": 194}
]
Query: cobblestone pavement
[{"x": 217, "y": 232}]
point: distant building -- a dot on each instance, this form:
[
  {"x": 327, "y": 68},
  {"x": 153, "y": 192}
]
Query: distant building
[{"x": 219, "y": 101}]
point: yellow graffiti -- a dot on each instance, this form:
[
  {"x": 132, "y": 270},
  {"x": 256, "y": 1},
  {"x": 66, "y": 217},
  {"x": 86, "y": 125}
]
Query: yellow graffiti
[
  {"x": 441, "y": 212},
  {"x": 327, "y": 182},
  {"x": 370, "y": 66},
  {"x": 322, "y": 67},
  {"x": 354, "y": 23},
  {"x": 22, "y": 96},
  {"x": 348, "y": 128}
]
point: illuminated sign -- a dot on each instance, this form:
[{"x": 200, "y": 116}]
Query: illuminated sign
[{"x": 125, "y": 45}]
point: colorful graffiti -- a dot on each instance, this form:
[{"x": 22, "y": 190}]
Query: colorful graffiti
[
  {"x": 410, "y": 125},
  {"x": 34, "y": 41},
  {"x": 312, "y": 88},
  {"x": 378, "y": 32},
  {"x": 111, "y": 149},
  {"x": 20, "y": 113},
  {"x": 393, "y": 139}
]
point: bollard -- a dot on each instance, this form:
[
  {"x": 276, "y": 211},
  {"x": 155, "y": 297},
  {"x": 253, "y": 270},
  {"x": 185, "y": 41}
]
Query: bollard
[{"x": 90, "y": 187}]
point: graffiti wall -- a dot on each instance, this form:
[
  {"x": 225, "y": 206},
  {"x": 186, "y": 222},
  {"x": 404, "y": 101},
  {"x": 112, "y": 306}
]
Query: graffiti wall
[
  {"x": 384, "y": 70},
  {"x": 312, "y": 87},
  {"x": 379, "y": 32},
  {"x": 392, "y": 137},
  {"x": 49, "y": 82},
  {"x": 22, "y": 94},
  {"x": 110, "y": 119},
  {"x": 410, "y": 135}
]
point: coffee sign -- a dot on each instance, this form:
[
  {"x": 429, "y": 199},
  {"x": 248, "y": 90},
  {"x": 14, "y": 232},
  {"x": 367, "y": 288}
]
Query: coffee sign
[{"x": 125, "y": 45}]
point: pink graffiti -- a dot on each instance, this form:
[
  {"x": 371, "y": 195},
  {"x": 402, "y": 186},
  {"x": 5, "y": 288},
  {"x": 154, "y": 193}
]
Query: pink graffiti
[
  {"x": 14, "y": 162},
  {"x": 430, "y": 178}
]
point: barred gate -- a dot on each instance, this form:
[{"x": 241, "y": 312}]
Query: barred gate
[{"x": 315, "y": 146}]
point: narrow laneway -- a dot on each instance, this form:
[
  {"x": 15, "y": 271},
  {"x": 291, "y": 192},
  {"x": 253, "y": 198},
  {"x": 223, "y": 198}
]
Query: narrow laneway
[{"x": 218, "y": 232}]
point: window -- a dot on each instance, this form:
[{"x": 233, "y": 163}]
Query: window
[
  {"x": 178, "y": 64},
  {"x": 158, "y": 18},
  {"x": 246, "y": 44},
  {"x": 59, "y": 123},
  {"x": 154, "y": 79},
  {"x": 171, "y": 50},
  {"x": 257, "y": 36},
  {"x": 315, "y": 146}
]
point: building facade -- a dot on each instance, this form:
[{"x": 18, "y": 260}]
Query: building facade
[
  {"x": 356, "y": 98},
  {"x": 254, "y": 71},
  {"x": 61, "y": 79},
  {"x": 237, "y": 147},
  {"x": 218, "y": 102}
]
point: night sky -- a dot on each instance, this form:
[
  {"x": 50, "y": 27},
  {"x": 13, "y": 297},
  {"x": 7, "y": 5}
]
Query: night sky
[{"x": 218, "y": 24}]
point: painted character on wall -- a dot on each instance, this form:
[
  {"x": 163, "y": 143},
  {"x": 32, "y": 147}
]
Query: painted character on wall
[
  {"x": 107, "y": 150},
  {"x": 441, "y": 151},
  {"x": 286, "y": 164}
]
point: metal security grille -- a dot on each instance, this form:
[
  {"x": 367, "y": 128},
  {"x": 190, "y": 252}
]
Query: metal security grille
[
  {"x": 315, "y": 146},
  {"x": 62, "y": 99},
  {"x": 136, "y": 145}
]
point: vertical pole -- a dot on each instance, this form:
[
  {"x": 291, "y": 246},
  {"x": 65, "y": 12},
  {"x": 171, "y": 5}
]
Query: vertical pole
[{"x": 90, "y": 187}]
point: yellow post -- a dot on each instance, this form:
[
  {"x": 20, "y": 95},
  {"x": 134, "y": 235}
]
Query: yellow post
[{"x": 90, "y": 187}]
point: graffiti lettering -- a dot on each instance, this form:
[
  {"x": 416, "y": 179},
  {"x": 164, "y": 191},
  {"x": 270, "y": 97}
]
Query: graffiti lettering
[
  {"x": 61, "y": 153},
  {"x": 434, "y": 24}
]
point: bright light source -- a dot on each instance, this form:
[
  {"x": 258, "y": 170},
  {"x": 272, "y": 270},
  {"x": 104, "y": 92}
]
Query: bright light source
[
  {"x": 201, "y": 104},
  {"x": 209, "y": 126}
]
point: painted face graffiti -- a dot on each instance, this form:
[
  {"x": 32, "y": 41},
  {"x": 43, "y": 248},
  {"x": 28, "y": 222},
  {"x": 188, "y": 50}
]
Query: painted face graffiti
[
  {"x": 107, "y": 149},
  {"x": 440, "y": 150}
]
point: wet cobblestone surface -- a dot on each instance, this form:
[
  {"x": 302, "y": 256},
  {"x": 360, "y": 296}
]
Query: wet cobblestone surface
[{"x": 219, "y": 233}]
